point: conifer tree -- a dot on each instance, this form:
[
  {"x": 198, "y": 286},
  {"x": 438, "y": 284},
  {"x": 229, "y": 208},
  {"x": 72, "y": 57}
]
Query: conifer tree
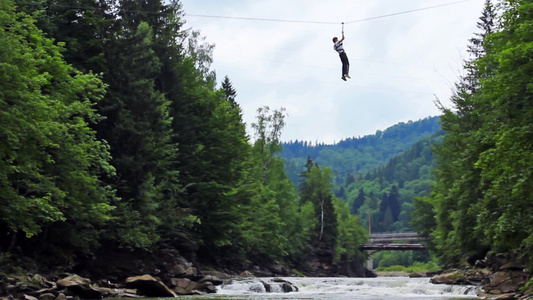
[
  {"x": 229, "y": 91},
  {"x": 358, "y": 201}
]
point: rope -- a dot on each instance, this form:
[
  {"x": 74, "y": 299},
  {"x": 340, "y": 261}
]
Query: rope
[
  {"x": 262, "y": 19},
  {"x": 258, "y": 19},
  {"x": 325, "y": 22},
  {"x": 406, "y": 12}
]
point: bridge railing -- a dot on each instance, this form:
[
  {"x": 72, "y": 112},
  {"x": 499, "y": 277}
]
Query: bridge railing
[{"x": 394, "y": 237}]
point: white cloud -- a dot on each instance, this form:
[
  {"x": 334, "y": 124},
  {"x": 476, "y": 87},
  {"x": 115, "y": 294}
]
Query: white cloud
[{"x": 397, "y": 63}]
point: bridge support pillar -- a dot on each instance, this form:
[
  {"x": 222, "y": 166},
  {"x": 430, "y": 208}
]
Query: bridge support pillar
[{"x": 370, "y": 263}]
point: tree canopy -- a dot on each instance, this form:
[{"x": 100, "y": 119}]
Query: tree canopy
[{"x": 483, "y": 190}]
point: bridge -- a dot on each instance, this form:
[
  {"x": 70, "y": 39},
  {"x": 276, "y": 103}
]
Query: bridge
[
  {"x": 394, "y": 241},
  {"x": 391, "y": 241}
]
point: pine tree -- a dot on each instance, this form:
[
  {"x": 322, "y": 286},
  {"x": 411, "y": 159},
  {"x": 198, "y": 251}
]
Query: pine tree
[
  {"x": 394, "y": 202},
  {"x": 138, "y": 130},
  {"x": 229, "y": 91},
  {"x": 358, "y": 201}
]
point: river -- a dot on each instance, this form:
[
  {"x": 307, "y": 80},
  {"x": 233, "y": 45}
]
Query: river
[{"x": 380, "y": 288}]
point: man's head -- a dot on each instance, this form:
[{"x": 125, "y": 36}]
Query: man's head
[{"x": 335, "y": 39}]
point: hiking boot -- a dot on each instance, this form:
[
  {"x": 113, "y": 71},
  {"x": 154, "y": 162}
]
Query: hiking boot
[{"x": 343, "y": 78}]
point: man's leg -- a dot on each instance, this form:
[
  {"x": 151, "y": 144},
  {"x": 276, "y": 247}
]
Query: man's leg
[
  {"x": 342, "y": 55},
  {"x": 345, "y": 65}
]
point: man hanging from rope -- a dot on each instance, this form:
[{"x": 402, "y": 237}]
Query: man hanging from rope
[{"x": 337, "y": 45}]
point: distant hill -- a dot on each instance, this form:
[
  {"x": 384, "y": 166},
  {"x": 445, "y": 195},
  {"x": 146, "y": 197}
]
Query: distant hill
[
  {"x": 378, "y": 174},
  {"x": 357, "y": 156}
]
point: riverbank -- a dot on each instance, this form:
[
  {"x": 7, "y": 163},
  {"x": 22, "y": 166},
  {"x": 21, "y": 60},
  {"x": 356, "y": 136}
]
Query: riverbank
[
  {"x": 392, "y": 274},
  {"x": 131, "y": 275}
]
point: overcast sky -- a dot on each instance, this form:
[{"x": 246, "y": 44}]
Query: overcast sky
[{"x": 399, "y": 64}]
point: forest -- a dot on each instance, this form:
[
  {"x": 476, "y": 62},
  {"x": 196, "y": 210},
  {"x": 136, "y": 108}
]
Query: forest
[
  {"x": 378, "y": 176},
  {"x": 482, "y": 196},
  {"x": 378, "y": 172},
  {"x": 116, "y": 135}
]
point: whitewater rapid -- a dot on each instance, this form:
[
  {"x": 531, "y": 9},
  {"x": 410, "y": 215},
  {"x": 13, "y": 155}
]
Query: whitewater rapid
[{"x": 380, "y": 288}]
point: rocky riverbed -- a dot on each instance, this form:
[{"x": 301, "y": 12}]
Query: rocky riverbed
[
  {"x": 500, "y": 275},
  {"x": 38, "y": 287}
]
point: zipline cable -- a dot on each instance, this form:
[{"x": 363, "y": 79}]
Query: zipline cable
[
  {"x": 261, "y": 19},
  {"x": 407, "y": 12},
  {"x": 325, "y": 22}
]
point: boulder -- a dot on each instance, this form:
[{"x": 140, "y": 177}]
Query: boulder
[
  {"x": 453, "y": 277},
  {"x": 207, "y": 287},
  {"x": 417, "y": 275},
  {"x": 73, "y": 280},
  {"x": 183, "y": 292},
  {"x": 61, "y": 296},
  {"x": 39, "y": 282},
  {"x": 183, "y": 286},
  {"x": 210, "y": 289},
  {"x": 218, "y": 274},
  {"x": 118, "y": 293},
  {"x": 178, "y": 271},
  {"x": 512, "y": 265},
  {"x": 285, "y": 285},
  {"x": 477, "y": 276},
  {"x": 47, "y": 296},
  {"x": 279, "y": 270},
  {"x": 246, "y": 274},
  {"x": 191, "y": 272},
  {"x": 79, "y": 286},
  {"x": 213, "y": 279},
  {"x": 179, "y": 282},
  {"x": 287, "y": 288},
  {"x": 504, "y": 282},
  {"x": 149, "y": 286}
]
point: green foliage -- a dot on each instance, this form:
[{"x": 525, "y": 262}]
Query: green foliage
[
  {"x": 276, "y": 226},
  {"x": 416, "y": 267},
  {"x": 382, "y": 177},
  {"x": 51, "y": 163},
  {"x": 316, "y": 189},
  {"x": 350, "y": 234},
  {"x": 267, "y": 132},
  {"x": 484, "y": 185},
  {"x": 407, "y": 259},
  {"x": 149, "y": 153}
]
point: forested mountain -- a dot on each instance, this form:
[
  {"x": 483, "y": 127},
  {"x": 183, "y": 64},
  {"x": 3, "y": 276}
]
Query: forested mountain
[
  {"x": 357, "y": 156},
  {"x": 381, "y": 173},
  {"x": 387, "y": 193}
]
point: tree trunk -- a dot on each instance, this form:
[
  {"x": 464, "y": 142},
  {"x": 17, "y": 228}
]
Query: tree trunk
[
  {"x": 321, "y": 219},
  {"x": 12, "y": 242}
]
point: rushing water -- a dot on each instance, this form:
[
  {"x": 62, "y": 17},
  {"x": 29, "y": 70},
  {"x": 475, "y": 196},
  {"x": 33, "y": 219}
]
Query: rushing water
[{"x": 380, "y": 288}]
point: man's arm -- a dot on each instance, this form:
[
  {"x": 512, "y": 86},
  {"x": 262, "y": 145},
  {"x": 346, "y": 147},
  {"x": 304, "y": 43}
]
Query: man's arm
[{"x": 340, "y": 41}]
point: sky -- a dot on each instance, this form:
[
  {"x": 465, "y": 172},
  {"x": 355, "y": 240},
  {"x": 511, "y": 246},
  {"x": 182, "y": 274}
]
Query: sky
[{"x": 403, "y": 56}]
